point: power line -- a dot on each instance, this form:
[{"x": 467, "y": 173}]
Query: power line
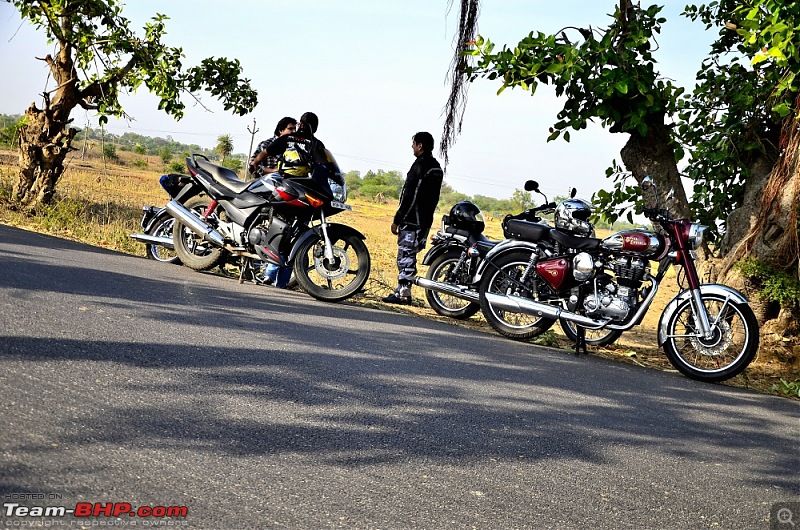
[{"x": 385, "y": 164}]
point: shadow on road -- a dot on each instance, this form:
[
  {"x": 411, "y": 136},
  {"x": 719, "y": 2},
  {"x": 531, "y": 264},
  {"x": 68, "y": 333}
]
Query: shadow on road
[{"x": 385, "y": 388}]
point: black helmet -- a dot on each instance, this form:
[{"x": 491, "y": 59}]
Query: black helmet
[{"x": 466, "y": 216}]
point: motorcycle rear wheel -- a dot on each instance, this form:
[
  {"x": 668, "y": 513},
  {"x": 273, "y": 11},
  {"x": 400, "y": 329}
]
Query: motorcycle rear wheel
[
  {"x": 499, "y": 279},
  {"x": 594, "y": 337},
  {"x": 162, "y": 227},
  {"x": 191, "y": 249},
  {"x": 446, "y": 304},
  {"x": 332, "y": 281},
  {"x": 731, "y": 348}
]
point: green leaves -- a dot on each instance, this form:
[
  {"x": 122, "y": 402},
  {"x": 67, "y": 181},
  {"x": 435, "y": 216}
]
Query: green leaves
[
  {"x": 99, "y": 42},
  {"x": 612, "y": 77}
]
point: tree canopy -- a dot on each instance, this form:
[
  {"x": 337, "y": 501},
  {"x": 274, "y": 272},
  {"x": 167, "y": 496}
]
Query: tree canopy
[
  {"x": 98, "y": 56},
  {"x": 735, "y": 135}
]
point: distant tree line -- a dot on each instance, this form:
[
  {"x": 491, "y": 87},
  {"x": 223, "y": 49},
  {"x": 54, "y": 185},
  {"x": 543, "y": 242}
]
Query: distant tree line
[
  {"x": 379, "y": 185},
  {"x": 137, "y": 143},
  {"x": 385, "y": 186}
]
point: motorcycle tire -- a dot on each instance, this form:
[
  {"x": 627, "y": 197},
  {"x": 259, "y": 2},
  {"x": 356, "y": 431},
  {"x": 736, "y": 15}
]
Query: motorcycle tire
[
  {"x": 496, "y": 279},
  {"x": 161, "y": 227},
  {"x": 731, "y": 348},
  {"x": 594, "y": 337},
  {"x": 337, "y": 280},
  {"x": 190, "y": 248},
  {"x": 446, "y": 304}
]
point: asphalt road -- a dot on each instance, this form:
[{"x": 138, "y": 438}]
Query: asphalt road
[{"x": 129, "y": 381}]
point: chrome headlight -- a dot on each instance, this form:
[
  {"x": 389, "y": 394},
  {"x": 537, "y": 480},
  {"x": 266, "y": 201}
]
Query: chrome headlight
[
  {"x": 696, "y": 234},
  {"x": 339, "y": 191}
]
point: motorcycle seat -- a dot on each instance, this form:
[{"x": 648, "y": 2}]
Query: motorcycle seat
[
  {"x": 526, "y": 230},
  {"x": 222, "y": 176},
  {"x": 576, "y": 242},
  {"x": 482, "y": 243},
  {"x": 485, "y": 246}
]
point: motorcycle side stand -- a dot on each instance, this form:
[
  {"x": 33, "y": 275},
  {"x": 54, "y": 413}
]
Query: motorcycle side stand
[
  {"x": 247, "y": 271},
  {"x": 580, "y": 340}
]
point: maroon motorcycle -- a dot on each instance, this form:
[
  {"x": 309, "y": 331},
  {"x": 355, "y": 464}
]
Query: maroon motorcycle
[{"x": 708, "y": 331}]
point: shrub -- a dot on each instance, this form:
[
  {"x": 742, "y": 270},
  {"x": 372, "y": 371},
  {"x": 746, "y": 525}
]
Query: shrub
[
  {"x": 110, "y": 152},
  {"x": 775, "y": 285}
]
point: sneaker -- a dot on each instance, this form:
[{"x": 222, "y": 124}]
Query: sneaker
[{"x": 394, "y": 299}]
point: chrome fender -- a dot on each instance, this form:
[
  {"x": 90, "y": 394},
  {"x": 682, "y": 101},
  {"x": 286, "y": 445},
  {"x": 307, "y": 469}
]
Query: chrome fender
[
  {"x": 439, "y": 249},
  {"x": 707, "y": 288},
  {"x": 502, "y": 248}
]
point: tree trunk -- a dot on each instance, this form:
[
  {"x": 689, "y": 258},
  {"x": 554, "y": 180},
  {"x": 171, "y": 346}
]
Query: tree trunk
[
  {"x": 45, "y": 137},
  {"x": 43, "y": 145},
  {"x": 765, "y": 227},
  {"x": 654, "y": 156}
]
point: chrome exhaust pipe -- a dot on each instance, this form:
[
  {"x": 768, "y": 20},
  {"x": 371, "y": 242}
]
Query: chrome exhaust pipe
[
  {"x": 194, "y": 223},
  {"x": 459, "y": 291},
  {"x": 517, "y": 304},
  {"x": 161, "y": 241}
]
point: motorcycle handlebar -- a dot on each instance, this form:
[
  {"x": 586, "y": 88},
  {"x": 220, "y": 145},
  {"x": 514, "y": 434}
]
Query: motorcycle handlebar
[{"x": 544, "y": 207}]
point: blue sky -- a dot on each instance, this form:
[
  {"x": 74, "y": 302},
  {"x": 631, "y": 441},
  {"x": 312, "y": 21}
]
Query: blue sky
[{"x": 375, "y": 73}]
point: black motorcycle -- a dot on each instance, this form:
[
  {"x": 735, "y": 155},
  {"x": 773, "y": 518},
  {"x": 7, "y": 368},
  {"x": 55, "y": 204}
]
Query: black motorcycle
[
  {"x": 456, "y": 257},
  {"x": 455, "y": 253},
  {"x": 275, "y": 219},
  {"x": 157, "y": 224}
]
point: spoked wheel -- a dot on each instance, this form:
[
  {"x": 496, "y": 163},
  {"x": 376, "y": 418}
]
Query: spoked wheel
[
  {"x": 337, "y": 279},
  {"x": 162, "y": 228},
  {"x": 443, "y": 270},
  {"x": 594, "y": 337},
  {"x": 732, "y": 346},
  {"x": 505, "y": 278},
  {"x": 192, "y": 250}
]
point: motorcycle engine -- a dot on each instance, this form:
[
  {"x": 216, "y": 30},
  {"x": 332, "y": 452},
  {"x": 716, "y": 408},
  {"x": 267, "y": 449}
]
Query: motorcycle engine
[
  {"x": 270, "y": 237},
  {"x": 614, "y": 298}
]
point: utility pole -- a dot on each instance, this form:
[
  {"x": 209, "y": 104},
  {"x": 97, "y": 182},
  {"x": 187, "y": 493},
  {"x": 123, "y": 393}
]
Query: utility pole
[
  {"x": 85, "y": 136},
  {"x": 250, "y": 152}
]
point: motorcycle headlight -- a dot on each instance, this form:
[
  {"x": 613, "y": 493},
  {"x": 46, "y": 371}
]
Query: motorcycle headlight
[
  {"x": 696, "y": 234},
  {"x": 339, "y": 191}
]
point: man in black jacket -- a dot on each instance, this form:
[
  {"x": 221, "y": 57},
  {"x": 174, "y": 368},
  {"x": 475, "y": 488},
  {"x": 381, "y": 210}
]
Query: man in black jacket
[
  {"x": 414, "y": 216},
  {"x": 295, "y": 150}
]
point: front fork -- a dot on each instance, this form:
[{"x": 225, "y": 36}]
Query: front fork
[
  {"x": 701, "y": 321},
  {"x": 701, "y": 314},
  {"x": 328, "y": 247}
]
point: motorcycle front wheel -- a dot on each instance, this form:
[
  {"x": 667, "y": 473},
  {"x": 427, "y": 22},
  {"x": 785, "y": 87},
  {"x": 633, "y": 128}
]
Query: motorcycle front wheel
[
  {"x": 732, "y": 346},
  {"x": 193, "y": 250},
  {"x": 503, "y": 278},
  {"x": 594, "y": 337},
  {"x": 162, "y": 227},
  {"x": 337, "y": 279},
  {"x": 445, "y": 304}
]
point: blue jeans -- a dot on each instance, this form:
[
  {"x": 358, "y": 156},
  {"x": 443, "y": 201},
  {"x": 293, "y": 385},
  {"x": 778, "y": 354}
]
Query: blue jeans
[{"x": 278, "y": 276}]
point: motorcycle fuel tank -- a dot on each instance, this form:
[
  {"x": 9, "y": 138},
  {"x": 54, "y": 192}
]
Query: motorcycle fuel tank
[{"x": 640, "y": 242}]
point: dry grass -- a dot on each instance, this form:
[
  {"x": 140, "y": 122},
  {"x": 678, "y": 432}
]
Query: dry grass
[{"x": 102, "y": 206}]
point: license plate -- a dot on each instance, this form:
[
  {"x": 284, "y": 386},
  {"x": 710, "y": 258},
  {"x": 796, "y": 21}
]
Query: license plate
[{"x": 341, "y": 205}]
